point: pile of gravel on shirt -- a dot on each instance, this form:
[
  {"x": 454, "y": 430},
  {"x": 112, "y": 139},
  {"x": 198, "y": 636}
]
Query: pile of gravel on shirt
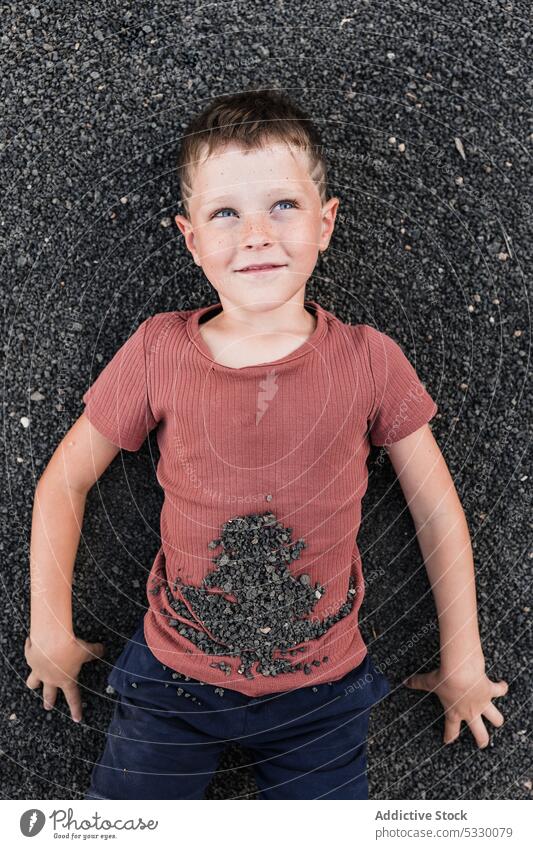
[{"x": 258, "y": 606}]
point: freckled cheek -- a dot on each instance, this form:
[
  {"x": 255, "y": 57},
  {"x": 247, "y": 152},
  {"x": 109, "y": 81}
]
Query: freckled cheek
[
  {"x": 300, "y": 241},
  {"x": 217, "y": 252}
]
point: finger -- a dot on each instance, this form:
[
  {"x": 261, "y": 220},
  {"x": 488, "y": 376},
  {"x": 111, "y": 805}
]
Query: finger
[
  {"x": 481, "y": 735},
  {"x": 94, "y": 650},
  {"x": 33, "y": 681},
  {"x": 493, "y": 715},
  {"x": 27, "y": 648},
  {"x": 500, "y": 688},
  {"x": 49, "y": 696},
  {"x": 452, "y": 729},
  {"x": 422, "y": 681},
  {"x": 73, "y": 699}
]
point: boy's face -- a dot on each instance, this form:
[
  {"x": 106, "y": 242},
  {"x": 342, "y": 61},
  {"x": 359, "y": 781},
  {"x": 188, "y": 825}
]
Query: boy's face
[{"x": 252, "y": 208}]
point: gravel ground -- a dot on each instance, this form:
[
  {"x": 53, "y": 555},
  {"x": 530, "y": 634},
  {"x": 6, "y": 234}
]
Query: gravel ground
[{"x": 424, "y": 111}]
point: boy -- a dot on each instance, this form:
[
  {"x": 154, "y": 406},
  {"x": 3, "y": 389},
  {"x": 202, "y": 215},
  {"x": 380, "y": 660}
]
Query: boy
[{"x": 266, "y": 407}]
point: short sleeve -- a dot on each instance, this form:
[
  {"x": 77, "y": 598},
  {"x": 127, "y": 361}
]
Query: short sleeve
[
  {"x": 117, "y": 403},
  {"x": 401, "y": 403}
]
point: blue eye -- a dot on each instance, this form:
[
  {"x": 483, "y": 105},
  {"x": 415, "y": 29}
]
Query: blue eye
[
  {"x": 292, "y": 202},
  {"x": 228, "y": 209},
  {"x": 216, "y": 214}
]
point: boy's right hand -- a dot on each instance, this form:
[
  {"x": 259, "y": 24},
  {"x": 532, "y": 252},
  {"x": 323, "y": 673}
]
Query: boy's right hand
[{"x": 57, "y": 665}]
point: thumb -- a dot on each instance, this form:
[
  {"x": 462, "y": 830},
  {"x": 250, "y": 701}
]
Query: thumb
[
  {"x": 417, "y": 682},
  {"x": 94, "y": 650}
]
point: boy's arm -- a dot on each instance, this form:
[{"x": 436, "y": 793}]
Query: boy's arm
[
  {"x": 443, "y": 537},
  {"x": 59, "y": 505},
  {"x": 53, "y": 652}
]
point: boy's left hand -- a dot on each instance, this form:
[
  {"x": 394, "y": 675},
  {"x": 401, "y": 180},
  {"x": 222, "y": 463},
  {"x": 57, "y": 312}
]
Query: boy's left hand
[{"x": 464, "y": 696}]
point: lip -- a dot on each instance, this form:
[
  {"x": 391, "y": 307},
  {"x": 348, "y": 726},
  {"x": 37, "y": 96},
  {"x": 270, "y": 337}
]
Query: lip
[{"x": 256, "y": 269}]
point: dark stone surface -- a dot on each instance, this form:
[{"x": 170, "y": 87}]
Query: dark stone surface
[{"x": 430, "y": 246}]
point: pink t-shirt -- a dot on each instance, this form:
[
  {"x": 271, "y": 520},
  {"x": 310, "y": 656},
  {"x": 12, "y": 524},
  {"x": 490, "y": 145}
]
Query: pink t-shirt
[{"x": 285, "y": 442}]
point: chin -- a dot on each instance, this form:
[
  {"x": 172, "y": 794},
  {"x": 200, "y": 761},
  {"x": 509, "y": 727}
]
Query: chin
[
  {"x": 261, "y": 304},
  {"x": 262, "y": 300}
]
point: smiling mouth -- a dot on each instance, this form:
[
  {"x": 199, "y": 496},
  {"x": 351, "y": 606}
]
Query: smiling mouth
[{"x": 254, "y": 269}]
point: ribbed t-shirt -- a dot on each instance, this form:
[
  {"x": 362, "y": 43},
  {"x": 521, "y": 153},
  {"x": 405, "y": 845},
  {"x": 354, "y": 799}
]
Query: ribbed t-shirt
[{"x": 258, "y": 580}]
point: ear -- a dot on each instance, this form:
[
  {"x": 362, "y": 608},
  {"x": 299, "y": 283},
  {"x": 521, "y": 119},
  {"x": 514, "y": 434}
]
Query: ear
[
  {"x": 186, "y": 229},
  {"x": 329, "y": 213}
]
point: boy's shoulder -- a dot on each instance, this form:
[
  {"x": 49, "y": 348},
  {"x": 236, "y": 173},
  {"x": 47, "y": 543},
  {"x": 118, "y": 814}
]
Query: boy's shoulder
[
  {"x": 162, "y": 325},
  {"x": 365, "y": 335},
  {"x": 175, "y": 317},
  {"x": 378, "y": 349},
  {"x": 357, "y": 329},
  {"x": 357, "y": 334}
]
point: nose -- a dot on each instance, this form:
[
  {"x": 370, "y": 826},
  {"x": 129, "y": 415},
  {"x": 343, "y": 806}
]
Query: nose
[{"x": 256, "y": 231}]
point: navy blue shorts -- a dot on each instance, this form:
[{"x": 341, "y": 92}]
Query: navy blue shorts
[{"x": 308, "y": 743}]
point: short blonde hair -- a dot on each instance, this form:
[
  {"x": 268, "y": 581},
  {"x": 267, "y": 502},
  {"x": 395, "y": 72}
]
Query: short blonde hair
[{"x": 251, "y": 119}]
